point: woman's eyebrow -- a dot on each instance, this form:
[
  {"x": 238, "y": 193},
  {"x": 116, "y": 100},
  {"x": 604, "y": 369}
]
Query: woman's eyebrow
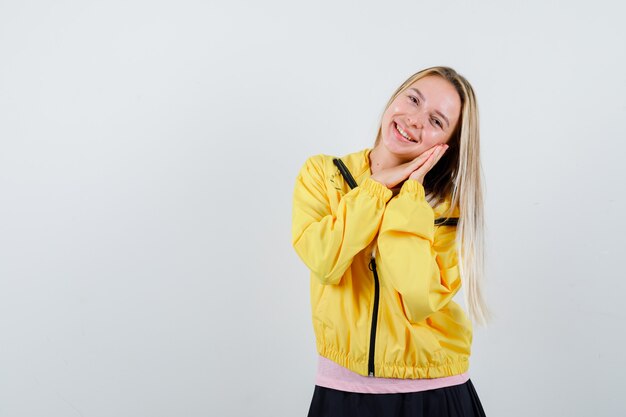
[{"x": 419, "y": 93}]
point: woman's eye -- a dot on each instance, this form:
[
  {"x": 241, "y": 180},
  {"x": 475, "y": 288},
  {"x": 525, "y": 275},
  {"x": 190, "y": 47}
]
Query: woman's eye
[
  {"x": 413, "y": 99},
  {"x": 438, "y": 123}
]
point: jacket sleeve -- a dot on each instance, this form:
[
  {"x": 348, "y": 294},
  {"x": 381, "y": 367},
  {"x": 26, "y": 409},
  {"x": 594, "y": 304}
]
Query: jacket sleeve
[
  {"x": 419, "y": 262},
  {"x": 327, "y": 240}
]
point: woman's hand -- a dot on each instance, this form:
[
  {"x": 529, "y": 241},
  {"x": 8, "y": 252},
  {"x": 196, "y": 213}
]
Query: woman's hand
[
  {"x": 430, "y": 162},
  {"x": 415, "y": 169}
]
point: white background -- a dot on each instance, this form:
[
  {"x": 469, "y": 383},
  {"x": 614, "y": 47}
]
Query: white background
[{"x": 148, "y": 152}]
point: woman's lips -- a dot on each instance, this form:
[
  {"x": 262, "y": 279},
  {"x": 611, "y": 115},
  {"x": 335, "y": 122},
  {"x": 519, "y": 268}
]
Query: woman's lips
[{"x": 400, "y": 136}]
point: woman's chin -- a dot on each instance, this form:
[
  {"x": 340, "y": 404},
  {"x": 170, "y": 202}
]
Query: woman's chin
[{"x": 405, "y": 150}]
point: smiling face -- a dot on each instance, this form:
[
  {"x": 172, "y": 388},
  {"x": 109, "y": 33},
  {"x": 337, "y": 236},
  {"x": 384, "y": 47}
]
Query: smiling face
[{"x": 422, "y": 116}]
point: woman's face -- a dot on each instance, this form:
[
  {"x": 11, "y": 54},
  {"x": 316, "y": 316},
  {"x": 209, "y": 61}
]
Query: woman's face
[{"x": 427, "y": 112}]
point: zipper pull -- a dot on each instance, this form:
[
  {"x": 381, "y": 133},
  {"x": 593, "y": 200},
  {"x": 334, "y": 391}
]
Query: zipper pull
[{"x": 372, "y": 264}]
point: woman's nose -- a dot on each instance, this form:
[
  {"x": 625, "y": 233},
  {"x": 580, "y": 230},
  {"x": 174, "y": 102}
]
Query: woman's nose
[{"x": 415, "y": 121}]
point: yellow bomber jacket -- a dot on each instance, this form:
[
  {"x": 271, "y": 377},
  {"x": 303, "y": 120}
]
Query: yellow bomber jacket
[{"x": 403, "y": 322}]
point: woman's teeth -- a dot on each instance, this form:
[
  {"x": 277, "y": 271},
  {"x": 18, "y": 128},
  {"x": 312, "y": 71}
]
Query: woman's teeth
[{"x": 404, "y": 134}]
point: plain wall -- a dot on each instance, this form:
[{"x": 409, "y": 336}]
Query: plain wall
[{"x": 148, "y": 153}]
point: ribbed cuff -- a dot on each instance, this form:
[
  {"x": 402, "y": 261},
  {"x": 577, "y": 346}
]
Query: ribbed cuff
[
  {"x": 413, "y": 188},
  {"x": 376, "y": 189}
]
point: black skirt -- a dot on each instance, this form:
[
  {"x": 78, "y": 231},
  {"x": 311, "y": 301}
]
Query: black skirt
[{"x": 454, "y": 401}]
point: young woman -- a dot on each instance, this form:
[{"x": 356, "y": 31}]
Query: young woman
[{"x": 389, "y": 233}]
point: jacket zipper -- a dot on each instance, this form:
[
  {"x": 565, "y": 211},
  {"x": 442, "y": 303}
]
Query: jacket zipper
[{"x": 372, "y": 267}]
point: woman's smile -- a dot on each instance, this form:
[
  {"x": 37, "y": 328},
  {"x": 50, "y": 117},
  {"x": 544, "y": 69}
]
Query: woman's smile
[{"x": 402, "y": 135}]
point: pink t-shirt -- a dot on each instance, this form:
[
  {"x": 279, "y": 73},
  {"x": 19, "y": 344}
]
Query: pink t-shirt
[{"x": 332, "y": 375}]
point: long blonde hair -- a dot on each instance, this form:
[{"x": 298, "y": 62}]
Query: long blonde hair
[{"x": 457, "y": 177}]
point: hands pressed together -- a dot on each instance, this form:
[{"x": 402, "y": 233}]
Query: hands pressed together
[{"x": 415, "y": 169}]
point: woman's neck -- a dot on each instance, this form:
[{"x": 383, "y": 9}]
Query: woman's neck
[{"x": 381, "y": 158}]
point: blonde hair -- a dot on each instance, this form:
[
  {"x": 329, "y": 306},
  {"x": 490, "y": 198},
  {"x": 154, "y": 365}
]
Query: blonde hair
[{"x": 457, "y": 178}]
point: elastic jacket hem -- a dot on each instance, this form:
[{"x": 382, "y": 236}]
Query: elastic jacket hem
[{"x": 391, "y": 370}]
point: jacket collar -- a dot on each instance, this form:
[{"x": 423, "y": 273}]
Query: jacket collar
[{"x": 359, "y": 164}]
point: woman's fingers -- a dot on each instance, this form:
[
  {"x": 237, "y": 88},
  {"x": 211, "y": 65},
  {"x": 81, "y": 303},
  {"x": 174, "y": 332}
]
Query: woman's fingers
[
  {"x": 433, "y": 157},
  {"x": 418, "y": 167},
  {"x": 426, "y": 154},
  {"x": 442, "y": 150},
  {"x": 437, "y": 155},
  {"x": 419, "y": 160},
  {"x": 428, "y": 164},
  {"x": 423, "y": 157}
]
